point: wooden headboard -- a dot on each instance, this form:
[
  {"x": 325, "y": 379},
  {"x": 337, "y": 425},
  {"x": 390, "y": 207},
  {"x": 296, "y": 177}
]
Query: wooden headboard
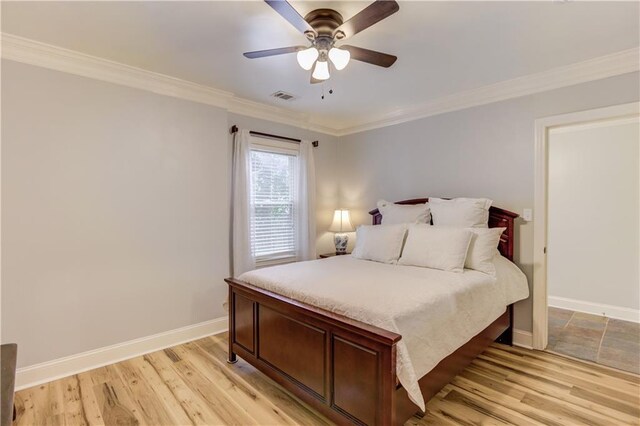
[{"x": 498, "y": 218}]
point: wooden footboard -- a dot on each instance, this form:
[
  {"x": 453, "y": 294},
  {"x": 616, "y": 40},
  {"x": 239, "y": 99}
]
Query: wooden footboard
[{"x": 343, "y": 368}]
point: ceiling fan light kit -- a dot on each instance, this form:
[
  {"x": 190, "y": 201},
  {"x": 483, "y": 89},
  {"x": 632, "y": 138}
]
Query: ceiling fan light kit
[
  {"x": 307, "y": 57},
  {"x": 323, "y": 28},
  {"x": 321, "y": 71},
  {"x": 339, "y": 57}
]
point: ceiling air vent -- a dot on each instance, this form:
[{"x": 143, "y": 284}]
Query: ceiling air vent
[{"x": 283, "y": 95}]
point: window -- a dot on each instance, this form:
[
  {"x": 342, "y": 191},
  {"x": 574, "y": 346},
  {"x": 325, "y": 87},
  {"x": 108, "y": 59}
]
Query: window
[{"x": 273, "y": 202}]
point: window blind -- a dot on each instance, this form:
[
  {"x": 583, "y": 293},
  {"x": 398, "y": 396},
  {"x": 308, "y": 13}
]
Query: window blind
[{"x": 273, "y": 222}]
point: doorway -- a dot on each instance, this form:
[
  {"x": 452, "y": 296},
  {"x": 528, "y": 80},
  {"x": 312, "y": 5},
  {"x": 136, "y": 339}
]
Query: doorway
[
  {"x": 587, "y": 233},
  {"x": 592, "y": 242}
]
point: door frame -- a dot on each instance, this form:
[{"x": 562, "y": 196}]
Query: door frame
[{"x": 542, "y": 128}]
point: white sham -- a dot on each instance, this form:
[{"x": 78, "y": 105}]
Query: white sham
[
  {"x": 381, "y": 243},
  {"x": 483, "y": 249},
  {"x": 398, "y": 213},
  {"x": 460, "y": 212},
  {"x": 436, "y": 247}
]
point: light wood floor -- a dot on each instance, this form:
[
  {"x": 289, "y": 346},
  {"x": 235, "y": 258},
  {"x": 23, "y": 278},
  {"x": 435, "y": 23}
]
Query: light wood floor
[{"x": 192, "y": 384}]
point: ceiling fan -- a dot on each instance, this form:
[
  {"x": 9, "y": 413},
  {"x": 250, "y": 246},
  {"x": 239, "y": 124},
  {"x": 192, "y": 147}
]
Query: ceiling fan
[{"x": 324, "y": 28}]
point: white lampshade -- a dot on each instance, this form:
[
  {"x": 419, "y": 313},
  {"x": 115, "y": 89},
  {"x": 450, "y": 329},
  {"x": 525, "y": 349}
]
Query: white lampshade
[
  {"x": 341, "y": 222},
  {"x": 339, "y": 57},
  {"x": 321, "y": 71},
  {"x": 307, "y": 57}
]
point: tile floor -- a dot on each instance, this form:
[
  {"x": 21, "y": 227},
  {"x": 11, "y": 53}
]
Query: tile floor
[{"x": 607, "y": 341}]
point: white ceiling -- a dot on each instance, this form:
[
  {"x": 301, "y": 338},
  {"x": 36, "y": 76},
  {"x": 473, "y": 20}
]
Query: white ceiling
[{"x": 443, "y": 47}]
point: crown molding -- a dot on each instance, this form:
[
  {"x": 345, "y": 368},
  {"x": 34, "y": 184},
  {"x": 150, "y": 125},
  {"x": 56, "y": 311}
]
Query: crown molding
[
  {"x": 611, "y": 65},
  {"x": 44, "y": 55},
  {"x": 32, "y": 52},
  {"x": 53, "y": 57},
  {"x": 279, "y": 115}
]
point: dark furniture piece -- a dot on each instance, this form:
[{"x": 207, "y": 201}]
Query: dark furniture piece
[
  {"x": 344, "y": 368},
  {"x": 8, "y": 358},
  {"x": 325, "y": 255}
]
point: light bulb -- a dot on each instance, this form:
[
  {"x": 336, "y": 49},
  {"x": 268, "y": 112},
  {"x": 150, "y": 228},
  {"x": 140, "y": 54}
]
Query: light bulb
[
  {"x": 307, "y": 57},
  {"x": 339, "y": 57},
  {"x": 321, "y": 71}
]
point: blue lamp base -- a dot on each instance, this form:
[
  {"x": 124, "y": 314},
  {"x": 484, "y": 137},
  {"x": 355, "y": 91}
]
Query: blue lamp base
[{"x": 341, "y": 240}]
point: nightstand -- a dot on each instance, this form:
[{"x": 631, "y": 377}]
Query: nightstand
[{"x": 325, "y": 255}]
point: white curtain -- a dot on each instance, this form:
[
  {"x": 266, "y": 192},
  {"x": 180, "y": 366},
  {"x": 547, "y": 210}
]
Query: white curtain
[
  {"x": 241, "y": 212},
  {"x": 241, "y": 253},
  {"x": 306, "y": 192}
]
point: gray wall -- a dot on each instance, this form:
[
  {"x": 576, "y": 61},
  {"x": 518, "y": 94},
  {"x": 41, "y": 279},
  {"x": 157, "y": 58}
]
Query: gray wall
[
  {"x": 115, "y": 211},
  {"x": 594, "y": 264},
  {"x": 486, "y": 151}
]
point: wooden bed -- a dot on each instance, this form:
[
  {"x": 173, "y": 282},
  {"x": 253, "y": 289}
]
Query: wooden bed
[{"x": 341, "y": 367}]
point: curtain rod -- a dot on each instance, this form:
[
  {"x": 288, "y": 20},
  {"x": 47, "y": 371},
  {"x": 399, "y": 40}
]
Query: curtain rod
[{"x": 234, "y": 129}]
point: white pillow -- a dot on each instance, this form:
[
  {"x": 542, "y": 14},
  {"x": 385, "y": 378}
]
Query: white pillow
[
  {"x": 482, "y": 249},
  {"x": 460, "y": 212},
  {"x": 382, "y": 243},
  {"x": 434, "y": 247},
  {"x": 397, "y": 213}
]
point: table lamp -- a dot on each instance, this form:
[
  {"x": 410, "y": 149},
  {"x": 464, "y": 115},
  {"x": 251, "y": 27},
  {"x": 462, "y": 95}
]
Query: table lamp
[{"x": 340, "y": 225}]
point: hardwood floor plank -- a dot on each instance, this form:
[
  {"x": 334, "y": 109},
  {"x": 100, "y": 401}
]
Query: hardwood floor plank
[
  {"x": 217, "y": 399},
  {"x": 26, "y": 410},
  {"x": 567, "y": 414},
  {"x": 73, "y": 410},
  {"x": 519, "y": 374},
  {"x": 192, "y": 403},
  {"x": 105, "y": 374},
  {"x": 43, "y": 405},
  {"x": 568, "y": 369},
  {"x": 523, "y": 413},
  {"x": 560, "y": 360},
  {"x": 263, "y": 410},
  {"x": 193, "y": 384},
  {"x": 564, "y": 377},
  {"x": 88, "y": 398},
  {"x": 115, "y": 406},
  {"x": 605, "y": 399},
  {"x": 462, "y": 412},
  {"x": 527, "y": 385},
  {"x": 624, "y": 410},
  {"x": 501, "y": 387},
  {"x": 482, "y": 405},
  {"x": 430, "y": 419},
  {"x": 152, "y": 393},
  {"x": 216, "y": 348},
  {"x": 161, "y": 390}
]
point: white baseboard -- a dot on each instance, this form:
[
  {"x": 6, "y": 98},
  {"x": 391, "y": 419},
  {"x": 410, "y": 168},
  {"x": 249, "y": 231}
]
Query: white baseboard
[
  {"x": 610, "y": 311},
  {"x": 62, "y": 367},
  {"x": 522, "y": 338}
]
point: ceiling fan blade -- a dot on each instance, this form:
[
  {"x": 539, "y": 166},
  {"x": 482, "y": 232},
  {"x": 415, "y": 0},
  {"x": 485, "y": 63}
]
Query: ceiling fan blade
[
  {"x": 370, "y": 56},
  {"x": 290, "y": 14},
  {"x": 273, "y": 52},
  {"x": 375, "y": 12}
]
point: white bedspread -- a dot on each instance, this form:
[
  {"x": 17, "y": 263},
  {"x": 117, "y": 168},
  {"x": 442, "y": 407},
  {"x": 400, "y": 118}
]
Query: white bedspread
[{"x": 435, "y": 311}]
